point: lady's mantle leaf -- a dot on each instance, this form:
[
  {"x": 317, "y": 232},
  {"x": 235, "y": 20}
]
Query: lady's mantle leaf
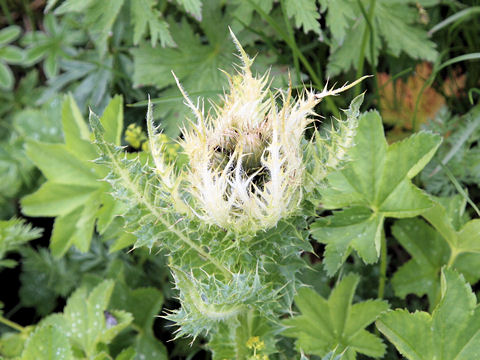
[
  {"x": 452, "y": 331},
  {"x": 325, "y": 325},
  {"x": 377, "y": 183},
  {"x": 46, "y": 343},
  {"x": 73, "y": 191},
  {"x": 430, "y": 251},
  {"x": 87, "y": 320}
]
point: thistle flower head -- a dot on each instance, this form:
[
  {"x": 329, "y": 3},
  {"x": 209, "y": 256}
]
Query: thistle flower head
[{"x": 245, "y": 155}]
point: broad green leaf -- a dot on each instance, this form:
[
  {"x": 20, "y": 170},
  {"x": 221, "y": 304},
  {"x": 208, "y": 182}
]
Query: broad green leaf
[
  {"x": 76, "y": 227},
  {"x": 46, "y": 343},
  {"x": 340, "y": 15},
  {"x": 75, "y": 129},
  {"x": 335, "y": 324},
  {"x": 88, "y": 321},
  {"x": 13, "y": 343},
  {"x": 99, "y": 19},
  {"x": 73, "y": 6},
  {"x": 53, "y": 199},
  {"x": 44, "y": 278},
  {"x": 452, "y": 331},
  {"x": 148, "y": 347},
  {"x": 145, "y": 18},
  {"x": 462, "y": 237},
  {"x": 376, "y": 184},
  {"x": 352, "y": 228},
  {"x": 73, "y": 191},
  {"x": 431, "y": 250},
  {"x": 58, "y": 164},
  {"x": 112, "y": 120},
  {"x": 74, "y": 126},
  {"x": 63, "y": 232},
  {"x": 305, "y": 13},
  {"x": 127, "y": 354},
  {"x": 407, "y": 38},
  {"x": 195, "y": 63},
  {"x": 145, "y": 304},
  {"x": 244, "y": 10},
  {"x": 40, "y": 124}
]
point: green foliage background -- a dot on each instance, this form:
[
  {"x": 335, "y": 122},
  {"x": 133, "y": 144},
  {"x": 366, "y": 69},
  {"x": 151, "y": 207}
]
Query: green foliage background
[{"x": 383, "y": 261}]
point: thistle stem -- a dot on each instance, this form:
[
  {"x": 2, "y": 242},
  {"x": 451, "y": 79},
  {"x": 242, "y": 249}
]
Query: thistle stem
[
  {"x": 11, "y": 324},
  {"x": 160, "y": 216}
]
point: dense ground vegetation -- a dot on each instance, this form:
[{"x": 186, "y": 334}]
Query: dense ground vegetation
[{"x": 295, "y": 213}]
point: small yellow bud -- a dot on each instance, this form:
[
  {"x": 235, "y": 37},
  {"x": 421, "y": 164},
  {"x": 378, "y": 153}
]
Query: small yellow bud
[{"x": 252, "y": 342}]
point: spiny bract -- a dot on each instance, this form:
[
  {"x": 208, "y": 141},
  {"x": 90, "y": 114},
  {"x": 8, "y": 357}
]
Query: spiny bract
[{"x": 245, "y": 157}]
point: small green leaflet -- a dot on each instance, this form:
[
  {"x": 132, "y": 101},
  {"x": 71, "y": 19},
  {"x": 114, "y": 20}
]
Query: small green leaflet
[
  {"x": 336, "y": 324},
  {"x": 86, "y": 320},
  {"x": 193, "y": 7},
  {"x": 9, "y": 54},
  {"x": 339, "y": 17},
  {"x": 430, "y": 251},
  {"x": 100, "y": 17},
  {"x": 83, "y": 326},
  {"x": 305, "y": 13},
  {"x": 461, "y": 237},
  {"x": 57, "y": 42},
  {"x": 13, "y": 234},
  {"x": 73, "y": 191},
  {"x": 374, "y": 184},
  {"x": 195, "y": 61},
  {"x": 452, "y": 331},
  {"x": 146, "y": 17},
  {"x": 348, "y": 26},
  {"x": 144, "y": 304}
]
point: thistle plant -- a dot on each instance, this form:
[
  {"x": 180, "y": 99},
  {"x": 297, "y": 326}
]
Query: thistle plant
[{"x": 231, "y": 220}]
